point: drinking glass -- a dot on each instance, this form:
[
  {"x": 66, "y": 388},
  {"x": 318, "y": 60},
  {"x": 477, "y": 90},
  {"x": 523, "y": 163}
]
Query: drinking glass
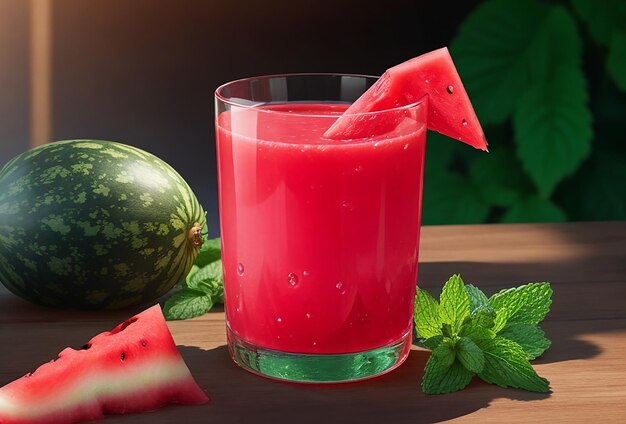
[{"x": 320, "y": 236}]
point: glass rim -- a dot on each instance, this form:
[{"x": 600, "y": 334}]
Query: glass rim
[{"x": 235, "y": 103}]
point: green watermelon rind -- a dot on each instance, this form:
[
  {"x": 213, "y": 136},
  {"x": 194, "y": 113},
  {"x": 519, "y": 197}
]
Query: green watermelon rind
[{"x": 93, "y": 224}]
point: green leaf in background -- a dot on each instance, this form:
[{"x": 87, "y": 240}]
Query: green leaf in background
[
  {"x": 602, "y": 17},
  {"x": 426, "y": 317},
  {"x": 500, "y": 178},
  {"x": 439, "y": 151},
  {"x": 616, "y": 63},
  {"x": 451, "y": 198},
  {"x": 454, "y": 303},
  {"x": 438, "y": 187},
  {"x": 534, "y": 208},
  {"x": 553, "y": 128},
  {"x": 186, "y": 304},
  {"x": 557, "y": 43},
  {"x": 491, "y": 52},
  {"x": 470, "y": 355},
  {"x": 506, "y": 364},
  {"x": 529, "y": 336},
  {"x": 597, "y": 191}
]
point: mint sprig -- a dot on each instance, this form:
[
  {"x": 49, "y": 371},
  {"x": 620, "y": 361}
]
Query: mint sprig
[
  {"x": 203, "y": 287},
  {"x": 493, "y": 338}
]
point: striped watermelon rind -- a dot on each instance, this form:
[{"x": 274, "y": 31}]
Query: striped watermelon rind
[{"x": 93, "y": 224}]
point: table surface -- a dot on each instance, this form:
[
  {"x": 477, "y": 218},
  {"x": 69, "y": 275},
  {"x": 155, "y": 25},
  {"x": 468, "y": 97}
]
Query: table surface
[{"x": 584, "y": 262}]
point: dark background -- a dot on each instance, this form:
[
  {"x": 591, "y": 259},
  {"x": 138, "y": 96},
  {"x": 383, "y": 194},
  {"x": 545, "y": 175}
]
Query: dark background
[{"x": 143, "y": 72}]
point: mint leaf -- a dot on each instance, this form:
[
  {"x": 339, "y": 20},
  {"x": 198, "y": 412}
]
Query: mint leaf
[
  {"x": 506, "y": 364},
  {"x": 187, "y": 303},
  {"x": 552, "y": 126},
  {"x": 445, "y": 352},
  {"x": 208, "y": 279},
  {"x": 481, "y": 311},
  {"x": 616, "y": 63},
  {"x": 529, "y": 336},
  {"x": 213, "y": 288},
  {"x": 476, "y": 332},
  {"x": 478, "y": 299},
  {"x": 454, "y": 303},
  {"x": 210, "y": 251},
  {"x": 528, "y": 304},
  {"x": 433, "y": 342},
  {"x": 212, "y": 270},
  {"x": 470, "y": 355},
  {"x": 426, "y": 316},
  {"x": 502, "y": 316},
  {"x": 440, "y": 378},
  {"x": 466, "y": 340},
  {"x": 485, "y": 317}
]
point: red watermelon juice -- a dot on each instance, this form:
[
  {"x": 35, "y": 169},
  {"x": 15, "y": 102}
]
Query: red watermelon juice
[{"x": 320, "y": 237}]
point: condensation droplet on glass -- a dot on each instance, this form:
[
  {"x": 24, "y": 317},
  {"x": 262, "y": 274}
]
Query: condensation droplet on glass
[
  {"x": 426, "y": 81},
  {"x": 464, "y": 122},
  {"x": 339, "y": 285},
  {"x": 406, "y": 146},
  {"x": 237, "y": 309},
  {"x": 279, "y": 319},
  {"x": 376, "y": 144},
  {"x": 292, "y": 278},
  {"x": 305, "y": 273},
  {"x": 359, "y": 168},
  {"x": 240, "y": 268},
  {"x": 314, "y": 343},
  {"x": 450, "y": 89},
  {"x": 308, "y": 315}
]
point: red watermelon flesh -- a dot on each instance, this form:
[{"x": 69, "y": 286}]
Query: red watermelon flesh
[
  {"x": 135, "y": 367},
  {"x": 433, "y": 74}
]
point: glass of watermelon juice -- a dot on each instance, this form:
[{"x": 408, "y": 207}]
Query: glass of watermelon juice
[{"x": 319, "y": 237}]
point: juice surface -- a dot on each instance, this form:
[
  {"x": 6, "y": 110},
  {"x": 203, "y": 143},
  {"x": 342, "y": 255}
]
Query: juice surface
[{"x": 320, "y": 237}]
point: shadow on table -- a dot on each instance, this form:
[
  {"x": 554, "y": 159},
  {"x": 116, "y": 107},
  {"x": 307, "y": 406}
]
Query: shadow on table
[
  {"x": 396, "y": 396},
  {"x": 588, "y": 298}
]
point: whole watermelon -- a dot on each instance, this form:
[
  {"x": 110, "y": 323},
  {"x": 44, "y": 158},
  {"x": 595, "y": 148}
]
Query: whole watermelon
[{"x": 94, "y": 224}]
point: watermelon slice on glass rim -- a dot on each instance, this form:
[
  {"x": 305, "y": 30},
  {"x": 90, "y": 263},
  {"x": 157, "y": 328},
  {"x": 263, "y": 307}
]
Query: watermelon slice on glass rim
[
  {"x": 135, "y": 367},
  {"x": 433, "y": 75}
]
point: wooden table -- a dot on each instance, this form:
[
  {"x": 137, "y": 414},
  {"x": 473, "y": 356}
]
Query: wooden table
[{"x": 586, "y": 365}]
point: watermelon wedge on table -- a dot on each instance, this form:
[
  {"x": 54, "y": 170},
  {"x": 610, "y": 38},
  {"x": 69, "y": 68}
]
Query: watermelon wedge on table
[
  {"x": 433, "y": 74},
  {"x": 135, "y": 367}
]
